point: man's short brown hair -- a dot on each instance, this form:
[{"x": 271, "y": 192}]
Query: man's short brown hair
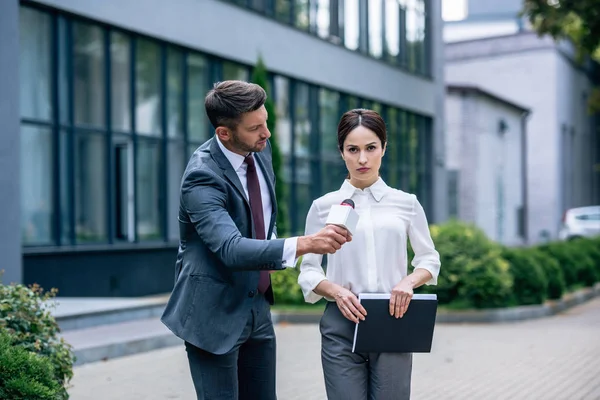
[{"x": 228, "y": 100}]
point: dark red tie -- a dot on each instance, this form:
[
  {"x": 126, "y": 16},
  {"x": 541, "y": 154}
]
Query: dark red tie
[{"x": 257, "y": 214}]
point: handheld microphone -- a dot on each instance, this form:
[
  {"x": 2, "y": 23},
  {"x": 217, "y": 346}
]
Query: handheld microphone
[{"x": 343, "y": 215}]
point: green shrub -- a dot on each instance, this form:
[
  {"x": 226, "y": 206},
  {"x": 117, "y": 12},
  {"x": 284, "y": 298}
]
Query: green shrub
[
  {"x": 530, "y": 281},
  {"x": 285, "y": 286},
  {"x": 25, "y": 375},
  {"x": 460, "y": 245},
  {"x": 590, "y": 250},
  {"x": 565, "y": 255},
  {"x": 486, "y": 282},
  {"x": 553, "y": 271},
  {"x": 25, "y": 315}
]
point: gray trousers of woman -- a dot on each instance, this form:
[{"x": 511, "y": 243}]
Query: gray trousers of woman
[{"x": 359, "y": 376}]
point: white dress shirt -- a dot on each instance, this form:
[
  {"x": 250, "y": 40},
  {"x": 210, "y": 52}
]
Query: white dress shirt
[
  {"x": 241, "y": 168},
  {"x": 376, "y": 259}
]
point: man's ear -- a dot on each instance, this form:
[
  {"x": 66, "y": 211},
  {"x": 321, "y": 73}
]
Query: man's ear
[{"x": 223, "y": 133}]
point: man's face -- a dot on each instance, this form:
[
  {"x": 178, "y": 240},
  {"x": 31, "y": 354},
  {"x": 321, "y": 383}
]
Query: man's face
[{"x": 251, "y": 134}]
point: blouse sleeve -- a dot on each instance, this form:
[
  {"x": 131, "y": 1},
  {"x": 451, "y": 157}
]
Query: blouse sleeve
[
  {"x": 311, "y": 271},
  {"x": 426, "y": 256}
]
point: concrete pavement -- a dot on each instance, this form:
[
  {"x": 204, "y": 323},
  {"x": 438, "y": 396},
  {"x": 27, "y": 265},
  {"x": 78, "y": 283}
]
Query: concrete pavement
[{"x": 554, "y": 358}]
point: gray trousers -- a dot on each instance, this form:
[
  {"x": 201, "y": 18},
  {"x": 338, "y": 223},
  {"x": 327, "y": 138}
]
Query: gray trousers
[
  {"x": 247, "y": 372},
  {"x": 359, "y": 376}
]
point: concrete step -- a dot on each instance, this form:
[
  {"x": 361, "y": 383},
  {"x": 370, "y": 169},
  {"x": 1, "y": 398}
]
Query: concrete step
[
  {"x": 79, "y": 313},
  {"x": 120, "y": 339}
]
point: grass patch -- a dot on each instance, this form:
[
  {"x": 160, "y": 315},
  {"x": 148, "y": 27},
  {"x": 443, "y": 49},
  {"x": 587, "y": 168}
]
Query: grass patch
[{"x": 300, "y": 308}]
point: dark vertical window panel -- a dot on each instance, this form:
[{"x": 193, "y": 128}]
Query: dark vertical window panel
[
  {"x": 333, "y": 168},
  {"x": 392, "y": 151},
  {"x": 403, "y": 151},
  {"x": 147, "y": 188},
  {"x": 302, "y": 14},
  {"x": 413, "y": 152},
  {"x": 89, "y": 75},
  {"x": 197, "y": 86},
  {"x": 147, "y": 87},
  {"x": 315, "y": 143},
  {"x": 301, "y": 153},
  {"x": 91, "y": 207},
  {"x": 37, "y": 200},
  {"x": 108, "y": 138},
  {"x": 174, "y": 97},
  {"x": 120, "y": 67},
  {"x": 235, "y": 71},
  {"x": 283, "y": 10},
  {"x": 35, "y": 64}
]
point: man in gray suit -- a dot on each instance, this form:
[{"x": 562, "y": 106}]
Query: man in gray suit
[{"x": 220, "y": 305}]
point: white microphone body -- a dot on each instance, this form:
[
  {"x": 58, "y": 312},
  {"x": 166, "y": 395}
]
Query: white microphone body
[{"x": 344, "y": 216}]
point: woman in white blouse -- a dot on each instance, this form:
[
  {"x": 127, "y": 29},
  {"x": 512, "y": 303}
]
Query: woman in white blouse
[{"x": 374, "y": 261}]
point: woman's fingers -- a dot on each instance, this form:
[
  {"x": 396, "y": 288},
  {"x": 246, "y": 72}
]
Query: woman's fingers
[{"x": 399, "y": 304}]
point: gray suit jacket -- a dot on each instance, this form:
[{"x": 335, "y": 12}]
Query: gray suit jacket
[{"x": 218, "y": 262}]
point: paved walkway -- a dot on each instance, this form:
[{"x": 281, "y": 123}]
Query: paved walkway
[{"x": 556, "y": 358}]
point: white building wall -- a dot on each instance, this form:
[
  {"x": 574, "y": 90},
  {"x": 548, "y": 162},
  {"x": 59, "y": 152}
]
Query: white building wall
[
  {"x": 490, "y": 164},
  {"x": 527, "y": 78}
]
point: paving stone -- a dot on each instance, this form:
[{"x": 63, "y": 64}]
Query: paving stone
[{"x": 554, "y": 358}]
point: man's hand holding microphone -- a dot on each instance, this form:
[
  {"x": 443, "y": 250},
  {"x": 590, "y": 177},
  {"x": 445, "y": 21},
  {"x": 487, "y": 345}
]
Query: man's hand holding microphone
[{"x": 340, "y": 224}]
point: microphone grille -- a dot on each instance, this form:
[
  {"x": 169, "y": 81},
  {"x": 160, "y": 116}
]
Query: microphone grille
[{"x": 348, "y": 202}]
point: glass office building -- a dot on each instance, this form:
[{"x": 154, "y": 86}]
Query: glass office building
[{"x": 111, "y": 103}]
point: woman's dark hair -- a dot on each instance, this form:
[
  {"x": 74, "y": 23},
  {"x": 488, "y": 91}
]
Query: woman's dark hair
[
  {"x": 361, "y": 117},
  {"x": 228, "y": 100}
]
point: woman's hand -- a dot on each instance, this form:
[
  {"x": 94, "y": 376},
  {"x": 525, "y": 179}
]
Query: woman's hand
[
  {"x": 400, "y": 297},
  {"x": 349, "y": 305}
]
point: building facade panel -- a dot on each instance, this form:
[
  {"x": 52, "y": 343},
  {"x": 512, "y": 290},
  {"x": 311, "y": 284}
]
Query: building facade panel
[
  {"x": 113, "y": 106},
  {"x": 10, "y": 146}
]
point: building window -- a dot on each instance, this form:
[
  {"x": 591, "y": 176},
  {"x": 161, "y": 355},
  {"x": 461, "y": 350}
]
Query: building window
[
  {"x": 108, "y": 126},
  {"x": 90, "y": 188},
  {"x": 397, "y": 31},
  {"x": 234, "y": 71},
  {"x": 89, "y": 75},
  {"x": 36, "y": 185},
  {"x": 392, "y": 30},
  {"x": 375, "y": 28},
  {"x": 147, "y": 88},
  {"x": 333, "y": 168},
  {"x": 198, "y": 72},
  {"x": 148, "y": 194},
  {"x": 301, "y": 14},
  {"x": 120, "y": 87},
  {"x": 34, "y": 59},
  {"x": 351, "y": 24},
  {"x": 302, "y": 173}
]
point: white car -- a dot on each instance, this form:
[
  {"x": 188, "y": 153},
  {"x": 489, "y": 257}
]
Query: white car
[{"x": 580, "y": 222}]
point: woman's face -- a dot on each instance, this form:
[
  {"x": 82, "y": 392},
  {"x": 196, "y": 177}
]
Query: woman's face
[{"x": 362, "y": 153}]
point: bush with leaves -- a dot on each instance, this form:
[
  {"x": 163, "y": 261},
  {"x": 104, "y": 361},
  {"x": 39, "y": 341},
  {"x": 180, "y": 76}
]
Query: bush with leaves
[
  {"x": 25, "y": 375},
  {"x": 530, "y": 281},
  {"x": 460, "y": 246},
  {"x": 285, "y": 286},
  {"x": 554, "y": 273},
  {"x": 577, "y": 265},
  {"x": 25, "y": 315},
  {"x": 590, "y": 249},
  {"x": 486, "y": 282}
]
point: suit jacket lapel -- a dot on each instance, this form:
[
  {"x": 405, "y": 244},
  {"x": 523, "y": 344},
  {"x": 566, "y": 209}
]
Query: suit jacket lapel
[
  {"x": 270, "y": 178},
  {"x": 228, "y": 170}
]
